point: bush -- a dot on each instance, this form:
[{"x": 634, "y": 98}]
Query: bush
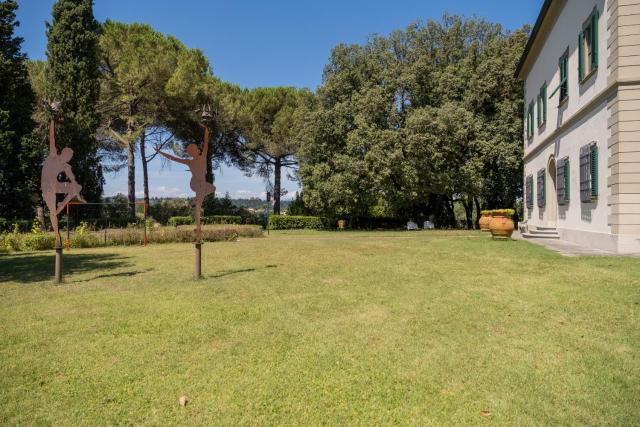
[
  {"x": 291, "y": 222},
  {"x": 504, "y": 212},
  {"x": 83, "y": 237},
  {"x": 213, "y": 219},
  {"x": 175, "y": 221},
  {"x": 38, "y": 242},
  {"x": 222, "y": 219}
]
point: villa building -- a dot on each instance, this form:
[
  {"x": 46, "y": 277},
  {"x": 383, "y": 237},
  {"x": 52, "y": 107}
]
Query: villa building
[{"x": 581, "y": 74}]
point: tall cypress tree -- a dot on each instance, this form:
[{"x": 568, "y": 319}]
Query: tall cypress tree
[
  {"x": 19, "y": 150},
  {"x": 72, "y": 76}
]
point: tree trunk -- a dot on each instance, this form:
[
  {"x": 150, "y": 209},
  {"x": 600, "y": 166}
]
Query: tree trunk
[
  {"x": 468, "y": 212},
  {"x": 40, "y": 215},
  {"x": 277, "y": 169},
  {"x": 131, "y": 179},
  {"x": 145, "y": 174},
  {"x": 478, "y": 215}
]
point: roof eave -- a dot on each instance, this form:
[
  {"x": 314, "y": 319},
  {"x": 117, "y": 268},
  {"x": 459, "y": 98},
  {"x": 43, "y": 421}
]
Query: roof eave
[{"x": 532, "y": 38}]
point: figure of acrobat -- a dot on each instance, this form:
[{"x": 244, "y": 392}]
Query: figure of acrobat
[
  {"x": 58, "y": 178},
  {"x": 197, "y": 164}
]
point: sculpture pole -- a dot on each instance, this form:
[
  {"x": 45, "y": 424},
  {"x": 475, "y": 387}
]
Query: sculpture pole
[
  {"x": 198, "y": 206},
  {"x": 57, "y": 274}
]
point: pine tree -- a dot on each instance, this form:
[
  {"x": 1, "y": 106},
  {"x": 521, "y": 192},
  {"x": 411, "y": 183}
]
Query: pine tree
[
  {"x": 19, "y": 151},
  {"x": 72, "y": 76}
]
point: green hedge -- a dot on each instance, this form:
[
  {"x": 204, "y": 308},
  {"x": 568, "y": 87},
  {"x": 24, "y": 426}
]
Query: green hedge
[
  {"x": 213, "y": 219},
  {"x": 290, "y": 222},
  {"x": 222, "y": 219},
  {"x": 125, "y": 236}
]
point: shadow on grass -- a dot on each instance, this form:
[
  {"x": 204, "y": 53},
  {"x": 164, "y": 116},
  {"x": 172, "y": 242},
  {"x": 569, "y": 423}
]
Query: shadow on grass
[
  {"x": 27, "y": 268},
  {"x": 121, "y": 274},
  {"x": 240, "y": 270}
]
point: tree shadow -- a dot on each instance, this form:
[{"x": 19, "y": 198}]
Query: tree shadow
[
  {"x": 27, "y": 268},
  {"x": 240, "y": 270}
]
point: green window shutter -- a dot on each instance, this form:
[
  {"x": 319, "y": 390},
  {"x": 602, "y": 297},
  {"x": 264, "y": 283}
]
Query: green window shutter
[
  {"x": 566, "y": 76},
  {"x": 544, "y": 103},
  {"x": 560, "y": 182},
  {"x": 539, "y": 112},
  {"x": 594, "y": 39},
  {"x": 542, "y": 187},
  {"x": 581, "y": 56},
  {"x": 585, "y": 174},
  {"x": 567, "y": 180},
  {"x": 594, "y": 171}
]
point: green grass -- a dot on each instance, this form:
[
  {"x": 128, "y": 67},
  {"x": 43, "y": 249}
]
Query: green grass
[{"x": 322, "y": 328}]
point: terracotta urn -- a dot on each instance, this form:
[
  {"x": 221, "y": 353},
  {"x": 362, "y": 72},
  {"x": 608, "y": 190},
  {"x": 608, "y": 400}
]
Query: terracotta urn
[
  {"x": 501, "y": 226},
  {"x": 484, "y": 221}
]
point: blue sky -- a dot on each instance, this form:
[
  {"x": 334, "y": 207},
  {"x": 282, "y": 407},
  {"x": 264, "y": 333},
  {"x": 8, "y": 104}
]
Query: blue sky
[{"x": 263, "y": 43}]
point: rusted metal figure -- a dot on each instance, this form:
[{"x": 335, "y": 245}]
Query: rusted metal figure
[
  {"x": 197, "y": 164},
  {"x": 57, "y": 177}
]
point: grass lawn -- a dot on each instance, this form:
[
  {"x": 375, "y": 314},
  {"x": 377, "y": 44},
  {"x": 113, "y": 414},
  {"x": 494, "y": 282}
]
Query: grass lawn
[{"x": 322, "y": 328}]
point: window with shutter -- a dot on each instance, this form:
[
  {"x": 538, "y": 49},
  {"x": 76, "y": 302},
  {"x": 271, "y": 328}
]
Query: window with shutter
[
  {"x": 588, "y": 173},
  {"x": 567, "y": 180},
  {"x": 541, "y": 188},
  {"x": 542, "y": 105},
  {"x": 588, "y": 46},
  {"x": 563, "y": 86},
  {"x": 594, "y": 171},
  {"x": 529, "y": 191},
  {"x": 560, "y": 181}
]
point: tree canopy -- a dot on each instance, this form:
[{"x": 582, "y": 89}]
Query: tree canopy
[
  {"x": 409, "y": 123},
  {"x": 19, "y": 149}
]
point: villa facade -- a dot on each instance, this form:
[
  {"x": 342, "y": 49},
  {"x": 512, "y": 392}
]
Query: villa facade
[{"x": 581, "y": 74}]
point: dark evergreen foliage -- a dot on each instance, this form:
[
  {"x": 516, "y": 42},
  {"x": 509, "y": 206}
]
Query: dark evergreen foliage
[
  {"x": 20, "y": 152},
  {"x": 73, "y": 79}
]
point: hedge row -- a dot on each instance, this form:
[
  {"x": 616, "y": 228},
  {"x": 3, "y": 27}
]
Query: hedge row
[
  {"x": 125, "y": 237},
  {"x": 290, "y": 222},
  {"x": 214, "y": 219}
]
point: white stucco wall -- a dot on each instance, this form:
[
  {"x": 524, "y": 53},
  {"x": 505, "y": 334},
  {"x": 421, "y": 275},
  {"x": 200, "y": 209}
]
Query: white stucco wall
[
  {"x": 574, "y": 215},
  {"x": 545, "y": 68}
]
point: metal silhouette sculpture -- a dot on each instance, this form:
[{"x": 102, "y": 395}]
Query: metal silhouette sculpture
[
  {"x": 197, "y": 164},
  {"x": 57, "y": 178}
]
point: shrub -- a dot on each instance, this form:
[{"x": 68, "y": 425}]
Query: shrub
[
  {"x": 287, "y": 222},
  {"x": 505, "y": 212},
  {"x": 38, "y": 242},
  {"x": 222, "y": 219},
  {"x": 175, "y": 221}
]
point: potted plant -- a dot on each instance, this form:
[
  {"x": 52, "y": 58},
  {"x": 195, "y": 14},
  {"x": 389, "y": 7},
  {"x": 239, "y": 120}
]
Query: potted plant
[
  {"x": 485, "y": 220},
  {"x": 501, "y": 224}
]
